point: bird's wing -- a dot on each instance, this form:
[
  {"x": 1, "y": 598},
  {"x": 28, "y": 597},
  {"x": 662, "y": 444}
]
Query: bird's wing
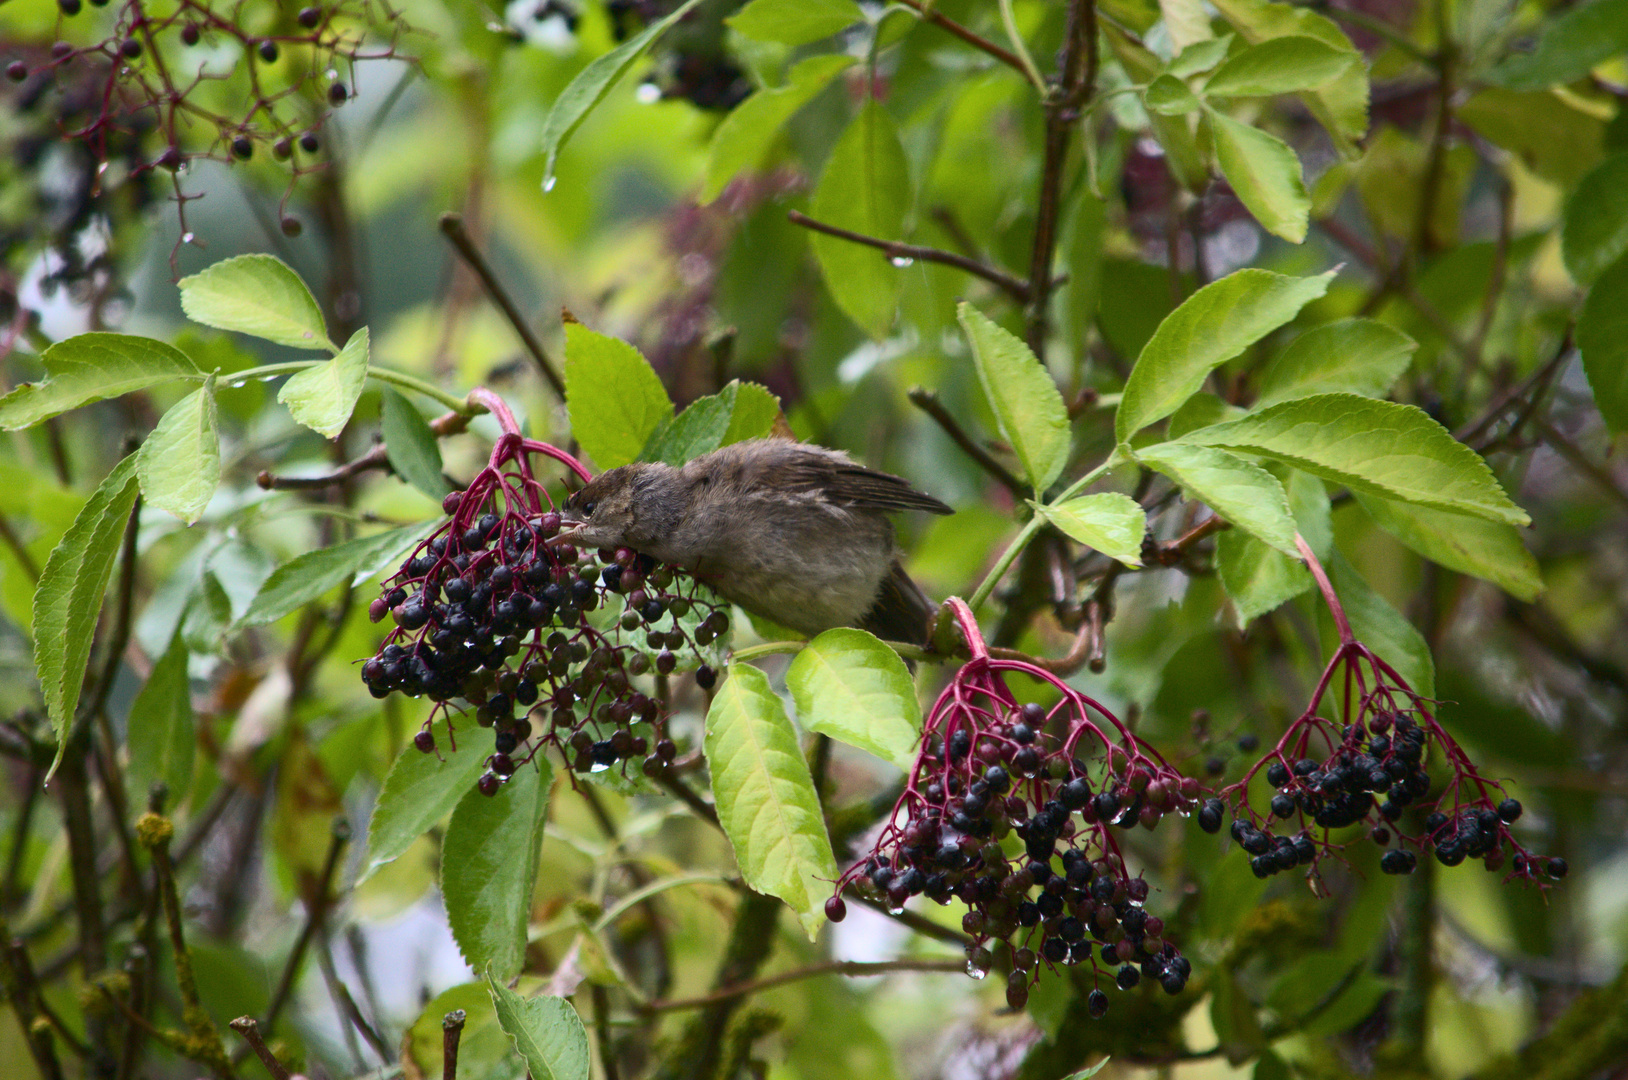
[{"x": 859, "y": 486}]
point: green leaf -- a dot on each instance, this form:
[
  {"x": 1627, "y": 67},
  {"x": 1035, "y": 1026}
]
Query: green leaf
[
  {"x": 1200, "y": 56},
  {"x": 1265, "y": 175},
  {"x": 1350, "y": 356},
  {"x": 795, "y": 22},
  {"x": 160, "y": 735},
  {"x": 68, "y": 598},
  {"x": 546, "y": 1030},
  {"x": 850, "y": 686},
  {"x": 92, "y": 367},
  {"x": 418, "y": 792},
  {"x": 738, "y": 411},
  {"x": 1169, "y": 96},
  {"x": 591, "y": 85},
  {"x": 746, "y": 134},
  {"x": 1086, "y": 1074},
  {"x": 1553, "y": 137},
  {"x": 1595, "y": 232},
  {"x": 1028, "y": 409},
  {"x": 1280, "y": 65},
  {"x": 1572, "y": 44},
  {"x": 1186, "y": 21},
  {"x": 1212, "y": 326},
  {"x": 306, "y": 577},
  {"x": 1379, "y": 447},
  {"x": 765, "y": 796},
  {"x": 1257, "y": 578},
  {"x": 1381, "y": 627},
  {"x": 614, "y": 397},
  {"x": 865, "y": 188},
  {"x": 257, "y": 295},
  {"x": 1111, "y": 523},
  {"x": 1239, "y": 491},
  {"x": 1341, "y": 105},
  {"x": 1602, "y": 338},
  {"x": 489, "y": 867},
  {"x": 1490, "y": 550},
  {"x": 323, "y": 397},
  {"x": 179, "y": 464},
  {"x": 410, "y": 444}
]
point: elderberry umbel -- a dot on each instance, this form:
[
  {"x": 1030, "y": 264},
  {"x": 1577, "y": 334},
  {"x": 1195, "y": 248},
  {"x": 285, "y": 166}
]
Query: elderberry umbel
[
  {"x": 1372, "y": 772},
  {"x": 1012, "y": 810},
  {"x": 498, "y": 614}
]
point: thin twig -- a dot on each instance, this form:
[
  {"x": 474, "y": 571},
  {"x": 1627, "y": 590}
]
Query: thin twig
[
  {"x": 317, "y": 908},
  {"x": 850, "y": 968},
  {"x": 452, "y": 227},
  {"x": 376, "y": 458},
  {"x": 1014, "y": 287},
  {"x": 944, "y": 22},
  {"x": 246, "y": 1027},
  {"x": 452, "y": 1030},
  {"x": 1583, "y": 463},
  {"x": 928, "y": 402}
]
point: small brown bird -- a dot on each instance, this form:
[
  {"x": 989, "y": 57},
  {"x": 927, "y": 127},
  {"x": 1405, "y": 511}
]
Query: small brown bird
[{"x": 793, "y": 533}]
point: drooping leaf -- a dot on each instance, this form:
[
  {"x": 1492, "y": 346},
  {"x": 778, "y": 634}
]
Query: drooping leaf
[
  {"x": 1257, "y": 578},
  {"x": 1602, "y": 338},
  {"x": 738, "y": 411},
  {"x": 160, "y": 733},
  {"x": 258, "y": 295},
  {"x": 546, "y": 1030},
  {"x": 1265, "y": 175},
  {"x": 1212, "y": 326},
  {"x": 323, "y": 397},
  {"x": 410, "y": 444},
  {"x": 1280, "y": 65},
  {"x": 591, "y": 85},
  {"x": 68, "y": 597},
  {"x": 795, "y": 22},
  {"x": 614, "y": 397},
  {"x": 1341, "y": 104},
  {"x": 1595, "y": 231},
  {"x": 865, "y": 188},
  {"x": 850, "y": 686},
  {"x": 306, "y": 577},
  {"x": 1028, "y": 409},
  {"x": 92, "y": 367},
  {"x": 1111, "y": 523},
  {"x": 1391, "y": 450},
  {"x": 1490, "y": 550},
  {"x": 489, "y": 866},
  {"x": 1578, "y": 39},
  {"x": 1239, "y": 491},
  {"x": 750, "y": 129},
  {"x": 418, "y": 792},
  {"x": 1351, "y": 356},
  {"x": 179, "y": 464},
  {"x": 765, "y": 796}
]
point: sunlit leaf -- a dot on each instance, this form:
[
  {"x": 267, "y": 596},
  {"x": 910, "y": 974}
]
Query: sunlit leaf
[
  {"x": 179, "y": 463},
  {"x": 92, "y": 367},
  {"x": 850, "y": 686},
  {"x": 258, "y": 295}
]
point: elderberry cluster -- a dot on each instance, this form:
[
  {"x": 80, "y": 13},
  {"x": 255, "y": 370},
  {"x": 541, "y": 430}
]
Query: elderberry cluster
[
  {"x": 497, "y": 614},
  {"x": 1373, "y": 771},
  {"x": 1004, "y": 813}
]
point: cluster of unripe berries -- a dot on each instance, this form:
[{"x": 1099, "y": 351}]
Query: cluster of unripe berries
[
  {"x": 494, "y": 614},
  {"x": 1000, "y": 815}
]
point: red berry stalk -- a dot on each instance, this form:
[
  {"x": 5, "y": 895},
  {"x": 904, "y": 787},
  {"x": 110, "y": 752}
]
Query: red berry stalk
[
  {"x": 1010, "y": 809},
  {"x": 1369, "y": 772},
  {"x": 493, "y": 615}
]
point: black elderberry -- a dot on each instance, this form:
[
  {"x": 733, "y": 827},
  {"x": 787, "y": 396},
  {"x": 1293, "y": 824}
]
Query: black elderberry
[
  {"x": 1127, "y": 977},
  {"x": 1026, "y": 761},
  {"x": 1398, "y": 861},
  {"x": 1106, "y": 805},
  {"x": 998, "y": 780},
  {"x": 1054, "y": 950},
  {"x": 1210, "y": 815},
  {"x": 705, "y": 677},
  {"x": 425, "y": 742},
  {"x": 1282, "y": 806},
  {"x": 1096, "y": 1003},
  {"x": 1256, "y": 842},
  {"x": 1022, "y": 734},
  {"x": 1305, "y": 767},
  {"x": 1277, "y": 774},
  {"x": 1556, "y": 868},
  {"x": 1509, "y": 810},
  {"x": 1075, "y": 794},
  {"x": 488, "y": 784}
]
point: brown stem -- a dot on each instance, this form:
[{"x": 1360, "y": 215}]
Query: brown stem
[
  {"x": 977, "y": 41},
  {"x": 452, "y": 227},
  {"x": 246, "y": 1027},
  {"x": 376, "y": 458},
  {"x": 1532, "y": 385},
  {"x": 1014, "y": 287},
  {"x": 928, "y": 402},
  {"x": 850, "y": 968},
  {"x": 452, "y": 1030}
]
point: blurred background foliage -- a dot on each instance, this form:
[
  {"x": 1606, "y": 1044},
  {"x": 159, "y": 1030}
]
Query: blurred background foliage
[{"x": 1466, "y": 176}]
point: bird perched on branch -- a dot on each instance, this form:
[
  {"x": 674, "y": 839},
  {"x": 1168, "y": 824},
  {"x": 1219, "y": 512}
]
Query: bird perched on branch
[{"x": 793, "y": 533}]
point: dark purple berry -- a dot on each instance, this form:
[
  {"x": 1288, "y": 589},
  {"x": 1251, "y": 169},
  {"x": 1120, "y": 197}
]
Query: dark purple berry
[
  {"x": 705, "y": 677},
  {"x": 337, "y": 94},
  {"x": 425, "y": 742},
  {"x": 16, "y": 71},
  {"x": 309, "y": 17},
  {"x": 242, "y": 148},
  {"x": 835, "y": 909},
  {"x": 1509, "y": 810},
  {"x": 1096, "y": 1003},
  {"x": 130, "y": 48},
  {"x": 488, "y": 784},
  {"x": 311, "y": 144},
  {"x": 70, "y": 7},
  {"x": 268, "y": 51}
]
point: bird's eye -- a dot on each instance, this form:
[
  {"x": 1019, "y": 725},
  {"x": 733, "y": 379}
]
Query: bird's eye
[{"x": 588, "y": 508}]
